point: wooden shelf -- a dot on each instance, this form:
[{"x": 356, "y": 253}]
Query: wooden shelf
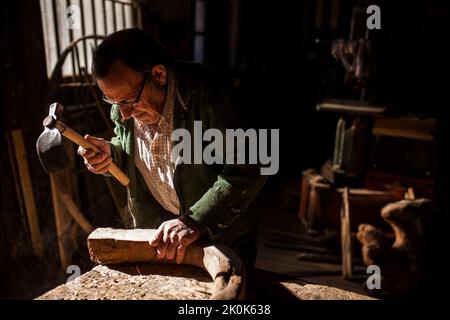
[{"x": 353, "y": 107}]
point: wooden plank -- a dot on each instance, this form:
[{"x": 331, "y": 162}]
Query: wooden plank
[
  {"x": 13, "y": 164},
  {"x": 346, "y": 238},
  {"x": 75, "y": 212},
  {"x": 347, "y": 107},
  {"x": 61, "y": 227},
  {"x": 366, "y": 192},
  {"x": 27, "y": 192}
]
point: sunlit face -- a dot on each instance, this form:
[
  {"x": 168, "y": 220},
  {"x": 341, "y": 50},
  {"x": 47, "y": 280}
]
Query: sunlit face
[{"x": 122, "y": 86}]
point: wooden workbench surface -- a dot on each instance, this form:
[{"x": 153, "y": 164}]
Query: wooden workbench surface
[{"x": 173, "y": 282}]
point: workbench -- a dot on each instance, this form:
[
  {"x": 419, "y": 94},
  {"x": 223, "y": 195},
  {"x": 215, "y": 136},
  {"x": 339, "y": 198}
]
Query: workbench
[{"x": 182, "y": 282}]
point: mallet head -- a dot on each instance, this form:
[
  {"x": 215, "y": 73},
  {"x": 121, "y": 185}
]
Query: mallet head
[{"x": 49, "y": 145}]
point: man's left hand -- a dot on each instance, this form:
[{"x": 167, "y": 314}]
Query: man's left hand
[{"x": 172, "y": 239}]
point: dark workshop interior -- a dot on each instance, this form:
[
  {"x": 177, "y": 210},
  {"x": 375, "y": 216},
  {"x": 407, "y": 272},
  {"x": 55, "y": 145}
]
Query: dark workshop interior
[{"x": 360, "y": 205}]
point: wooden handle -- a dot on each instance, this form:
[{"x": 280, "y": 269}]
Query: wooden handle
[{"x": 81, "y": 141}]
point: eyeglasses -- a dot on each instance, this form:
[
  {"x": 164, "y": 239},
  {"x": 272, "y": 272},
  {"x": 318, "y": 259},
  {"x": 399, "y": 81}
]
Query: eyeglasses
[{"x": 138, "y": 97}]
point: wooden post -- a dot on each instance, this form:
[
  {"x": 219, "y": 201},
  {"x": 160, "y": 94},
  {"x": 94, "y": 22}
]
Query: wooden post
[
  {"x": 61, "y": 230},
  {"x": 346, "y": 238}
]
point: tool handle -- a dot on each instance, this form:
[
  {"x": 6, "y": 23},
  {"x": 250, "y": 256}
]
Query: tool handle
[{"x": 81, "y": 141}]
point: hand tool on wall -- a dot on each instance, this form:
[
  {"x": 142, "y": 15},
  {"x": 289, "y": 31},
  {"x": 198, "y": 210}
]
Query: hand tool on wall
[{"x": 50, "y": 148}]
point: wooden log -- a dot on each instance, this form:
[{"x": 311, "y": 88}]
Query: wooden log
[
  {"x": 116, "y": 246},
  {"x": 403, "y": 216}
]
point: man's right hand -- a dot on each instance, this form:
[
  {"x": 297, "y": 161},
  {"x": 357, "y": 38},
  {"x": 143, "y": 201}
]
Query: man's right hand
[{"x": 96, "y": 162}]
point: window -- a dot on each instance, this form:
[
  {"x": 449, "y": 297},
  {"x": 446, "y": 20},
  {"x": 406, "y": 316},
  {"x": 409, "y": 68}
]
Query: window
[{"x": 65, "y": 21}]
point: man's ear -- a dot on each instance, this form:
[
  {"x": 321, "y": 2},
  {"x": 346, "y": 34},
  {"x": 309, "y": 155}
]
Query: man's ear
[{"x": 159, "y": 75}]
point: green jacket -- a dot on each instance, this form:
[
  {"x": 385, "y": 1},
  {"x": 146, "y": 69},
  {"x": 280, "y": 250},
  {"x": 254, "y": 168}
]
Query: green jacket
[{"x": 220, "y": 198}]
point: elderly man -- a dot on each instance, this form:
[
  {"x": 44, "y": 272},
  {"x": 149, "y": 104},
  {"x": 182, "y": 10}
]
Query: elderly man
[{"x": 151, "y": 96}]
